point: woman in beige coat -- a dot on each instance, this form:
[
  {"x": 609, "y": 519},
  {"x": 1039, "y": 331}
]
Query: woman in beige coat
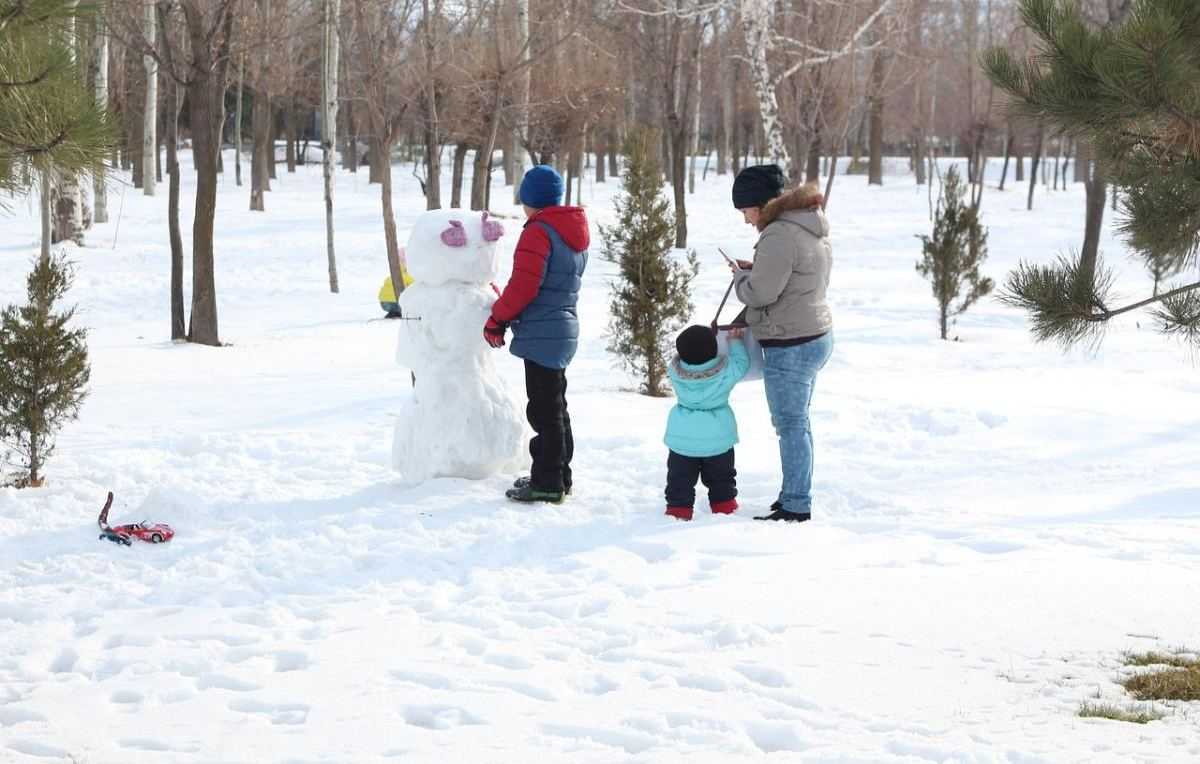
[{"x": 784, "y": 293}]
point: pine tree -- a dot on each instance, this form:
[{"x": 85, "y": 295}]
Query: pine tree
[
  {"x": 48, "y": 120},
  {"x": 650, "y": 299},
  {"x": 1134, "y": 92},
  {"x": 43, "y": 372},
  {"x": 953, "y": 254}
]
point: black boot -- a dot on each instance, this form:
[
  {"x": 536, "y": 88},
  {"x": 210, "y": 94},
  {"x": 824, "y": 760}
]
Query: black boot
[
  {"x": 525, "y": 481},
  {"x": 779, "y": 513},
  {"x": 527, "y": 494}
]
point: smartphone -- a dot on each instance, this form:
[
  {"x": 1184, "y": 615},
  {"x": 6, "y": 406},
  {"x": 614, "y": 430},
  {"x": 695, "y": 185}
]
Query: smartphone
[{"x": 728, "y": 259}]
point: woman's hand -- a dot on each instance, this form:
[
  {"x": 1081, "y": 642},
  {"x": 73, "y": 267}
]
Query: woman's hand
[
  {"x": 737, "y": 332},
  {"x": 745, "y": 265}
]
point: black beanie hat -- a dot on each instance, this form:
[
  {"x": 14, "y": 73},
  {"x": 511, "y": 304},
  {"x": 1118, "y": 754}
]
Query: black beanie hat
[
  {"x": 757, "y": 185},
  {"x": 696, "y": 345}
]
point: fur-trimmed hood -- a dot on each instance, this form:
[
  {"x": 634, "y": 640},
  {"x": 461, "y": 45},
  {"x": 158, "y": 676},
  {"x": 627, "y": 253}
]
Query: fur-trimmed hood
[{"x": 806, "y": 197}]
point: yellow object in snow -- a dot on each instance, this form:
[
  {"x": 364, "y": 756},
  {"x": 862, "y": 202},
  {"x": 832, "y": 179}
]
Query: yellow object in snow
[{"x": 387, "y": 292}]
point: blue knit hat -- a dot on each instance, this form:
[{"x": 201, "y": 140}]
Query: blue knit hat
[{"x": 541, "y": 187}]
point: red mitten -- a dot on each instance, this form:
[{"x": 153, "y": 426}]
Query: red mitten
[{"x": 493, "y": 332}]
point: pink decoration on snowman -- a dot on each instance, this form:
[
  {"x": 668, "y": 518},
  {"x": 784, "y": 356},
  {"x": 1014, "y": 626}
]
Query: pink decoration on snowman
[
  {"x": 455, "y": 235},
  {"x": 492, "y": 231}
]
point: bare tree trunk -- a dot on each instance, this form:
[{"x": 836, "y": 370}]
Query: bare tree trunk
[
  {"x": 1096, "y": 189},
  {"x": 389, "y": 230},
  {"x": 757, "y": 29},
  {"x": 329, "y": 109},
  {"x": 237, "y": 120},
  {"x": 100, "y": 54},
  {"x": 433, "y": 141},
  {"x": 1037, "y": 158},
  {"x": 272, "y": 141},
  {"x": 220, "y": 131},
  {"x": 569, "y": 184},
  {"x": 260, "y": 117},
  {"x": 875, "y": 163},
  {"x": 289, "y": 133},
  {"x": 205, "y": 86},
  {"x": 694, "y": 126},
  {"x": 1057, "y": 160},
  {"x": 812, "y": 168},
  {"x": 524, "y": 84},
  {"x": 259, "y": 173},
  {"x": 726, "y": 69},
  {"x": 1020, "y": 157},
  {"x": 350, "y": 151},
  {"x": 150, "y": 110},
  {"x": 1008, "y": 144},
  {"x": 178, "y": 328},
  {"x": 66, "y": 192},
  {"x": 377, "y": 162},
  {"x": 481, "y": 182},
  {"x": 1083, "y": 161},
  {"x": 456, "y": 178}
]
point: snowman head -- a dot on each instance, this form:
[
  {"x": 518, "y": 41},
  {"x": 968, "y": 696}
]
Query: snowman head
[{"x": 454, "y": 245}]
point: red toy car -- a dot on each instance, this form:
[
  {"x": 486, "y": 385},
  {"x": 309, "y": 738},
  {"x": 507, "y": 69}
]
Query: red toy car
[{"x": 154, "y": 534}]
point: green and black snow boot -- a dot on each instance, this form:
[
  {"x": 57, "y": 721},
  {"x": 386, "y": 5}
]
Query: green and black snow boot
[{"x": 527, "y": 494}]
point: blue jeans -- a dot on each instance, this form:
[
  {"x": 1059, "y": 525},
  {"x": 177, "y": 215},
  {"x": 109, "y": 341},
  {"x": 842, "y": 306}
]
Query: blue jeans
[{"x": 790, "y": 374}]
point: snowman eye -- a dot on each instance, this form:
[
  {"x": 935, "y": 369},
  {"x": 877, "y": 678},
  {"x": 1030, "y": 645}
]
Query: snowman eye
[
  {"x": 455, "y": 235},
  {"x": 492, "y": 231}
]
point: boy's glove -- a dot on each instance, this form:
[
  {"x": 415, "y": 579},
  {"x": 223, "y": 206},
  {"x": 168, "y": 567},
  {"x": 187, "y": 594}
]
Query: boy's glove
[{"x": 493, "y": 332}]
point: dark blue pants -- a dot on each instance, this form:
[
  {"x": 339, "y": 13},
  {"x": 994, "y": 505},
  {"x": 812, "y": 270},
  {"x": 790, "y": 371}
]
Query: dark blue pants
[{"x": 716, "y": 472}]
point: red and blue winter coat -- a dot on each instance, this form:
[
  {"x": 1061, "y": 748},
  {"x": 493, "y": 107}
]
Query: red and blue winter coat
[{"x": 540, "y": 298}]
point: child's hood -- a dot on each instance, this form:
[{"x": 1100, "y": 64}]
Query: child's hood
[
  {"x": 570, "y": 223},
  {"x": 699, "y": 386}
]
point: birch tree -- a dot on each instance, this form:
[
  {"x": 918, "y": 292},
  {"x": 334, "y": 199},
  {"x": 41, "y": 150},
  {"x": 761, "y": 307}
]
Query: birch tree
[
  {"x": 329, "y": 109},
  {"x": 100, "y": 56},
  {"x": 150, "y": 109}
]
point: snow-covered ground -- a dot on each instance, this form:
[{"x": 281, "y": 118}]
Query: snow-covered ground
[{"x": 995, "y": 522}]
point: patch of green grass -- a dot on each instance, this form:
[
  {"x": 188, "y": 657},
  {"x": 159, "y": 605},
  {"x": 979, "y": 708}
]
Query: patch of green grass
[{"x": 1131, "y": 714}]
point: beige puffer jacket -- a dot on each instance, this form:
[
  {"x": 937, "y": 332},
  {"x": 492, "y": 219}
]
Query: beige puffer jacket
[{"x": 785, "y": 292}]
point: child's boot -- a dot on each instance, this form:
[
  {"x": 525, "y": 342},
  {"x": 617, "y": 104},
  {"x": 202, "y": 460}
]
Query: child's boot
[
  {"x": 680, "y": 513},
  {"x": 727, "y": 507}
]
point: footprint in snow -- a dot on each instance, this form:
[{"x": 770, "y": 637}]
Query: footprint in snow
[
  {"x": 439, "y": 717},
  {"x": 422, "y": 679},
  {"x": 772, "y": 737},
  {"x": 39, "y": 749},
  {"x": 291, "y": 660},
  {"x": 276, "y": 713},
  {"x": 126, "y": 697},
  {"x": 514, "y": 662},
  {"x": 764, "y": 675},
  {"x": 223, "y": 682}
]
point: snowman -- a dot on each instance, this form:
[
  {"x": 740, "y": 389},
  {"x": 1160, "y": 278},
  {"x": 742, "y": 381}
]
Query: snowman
[{"x": 462, "y": 421}]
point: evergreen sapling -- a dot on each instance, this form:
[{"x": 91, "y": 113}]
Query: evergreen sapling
[
  {"x": 650, "y": 298},
  {"x": 953, "y": 254},
  {"x": 43, "y": 372}
]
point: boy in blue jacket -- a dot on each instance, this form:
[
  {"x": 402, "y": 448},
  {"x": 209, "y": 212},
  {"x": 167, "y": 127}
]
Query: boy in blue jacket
[{"x": 701, "y": 429}]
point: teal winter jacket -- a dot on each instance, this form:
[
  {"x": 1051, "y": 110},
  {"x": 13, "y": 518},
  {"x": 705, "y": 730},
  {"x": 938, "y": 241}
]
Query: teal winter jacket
[{"x": 702, "y": 423}]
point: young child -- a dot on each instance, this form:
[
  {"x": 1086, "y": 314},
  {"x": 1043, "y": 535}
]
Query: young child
[{"x": 701, "y": 429}]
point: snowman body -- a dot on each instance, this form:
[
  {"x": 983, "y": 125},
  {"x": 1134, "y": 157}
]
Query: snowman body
[{"x": 462, "y": 421}]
